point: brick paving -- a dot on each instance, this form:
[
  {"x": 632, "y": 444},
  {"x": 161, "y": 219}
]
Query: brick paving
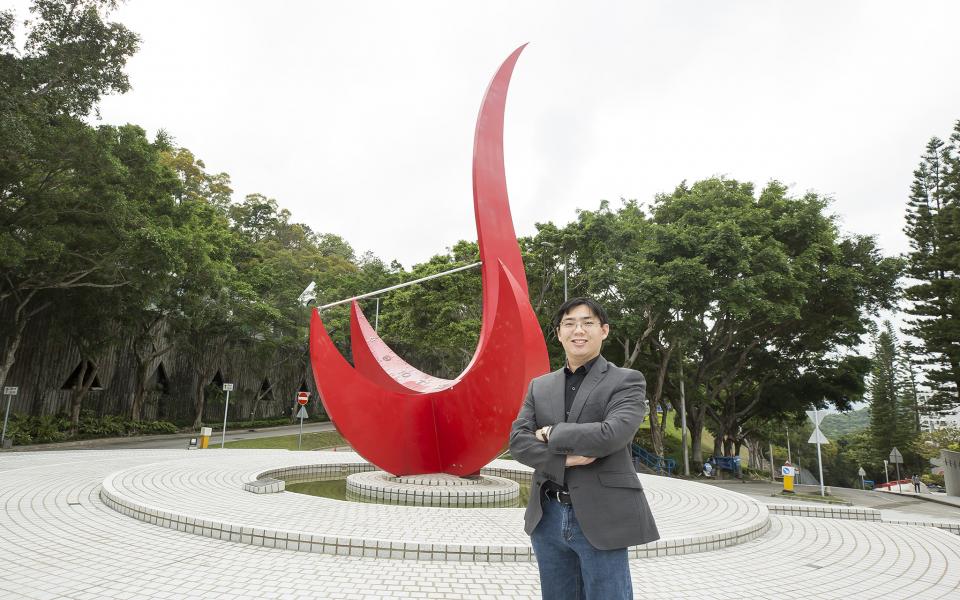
[{"x": 59, "y": 540}]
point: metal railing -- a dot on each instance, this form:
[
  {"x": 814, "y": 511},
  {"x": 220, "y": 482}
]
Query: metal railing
[{"x": 654, "y": 461}]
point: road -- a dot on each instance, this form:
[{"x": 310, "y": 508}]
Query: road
[
  {"x": 891, "y": 506},
  {"x": 176, "y": 440}
]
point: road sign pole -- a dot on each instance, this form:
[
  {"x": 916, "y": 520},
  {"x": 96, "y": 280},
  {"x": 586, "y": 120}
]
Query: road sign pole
[
  {"x": 5, "y": 417},
  {"x": 302, "y": 399},
  {"x": 300, "y": 439},
  {"x": 789, "y": 455},
  {"x": 773, "y": 475},
  {"x": 896, "y": 458},
  {"x": 816, "y": 419},
  {"x": 818, "y": 438},
  {"x": 227, "y": 387},
  {"x": 9, "y": 392},
  {"x": 820, "y": 463},
  {"x": 223, "y": 434}
]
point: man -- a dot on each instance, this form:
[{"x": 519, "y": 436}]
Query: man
[{"x": 575, "y": 429}]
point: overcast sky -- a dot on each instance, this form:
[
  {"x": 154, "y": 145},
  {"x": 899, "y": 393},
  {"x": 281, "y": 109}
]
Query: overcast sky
[{"x": 359, "y": 116}]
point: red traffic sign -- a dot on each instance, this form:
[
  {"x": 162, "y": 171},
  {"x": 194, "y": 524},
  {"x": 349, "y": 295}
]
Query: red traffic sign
[{"x": 303, "y": 398}]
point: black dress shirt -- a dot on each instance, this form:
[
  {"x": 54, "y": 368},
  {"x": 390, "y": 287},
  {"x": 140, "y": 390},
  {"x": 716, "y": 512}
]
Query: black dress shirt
[{"x": 574, "y": 379}]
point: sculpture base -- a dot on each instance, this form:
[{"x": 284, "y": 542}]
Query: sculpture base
[{"x": 435, "y": 489}]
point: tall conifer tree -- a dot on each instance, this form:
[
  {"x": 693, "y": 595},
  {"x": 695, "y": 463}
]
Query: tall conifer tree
[
  {"x": 891, "y": 421},
  {"x": 933, "y": 225}
]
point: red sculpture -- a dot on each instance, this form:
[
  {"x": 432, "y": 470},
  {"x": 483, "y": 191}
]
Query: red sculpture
[{"x": 407, "y": 422}]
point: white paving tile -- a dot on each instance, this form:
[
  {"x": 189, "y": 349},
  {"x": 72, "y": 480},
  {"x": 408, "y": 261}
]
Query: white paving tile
[{"x": 58, "y": 540}]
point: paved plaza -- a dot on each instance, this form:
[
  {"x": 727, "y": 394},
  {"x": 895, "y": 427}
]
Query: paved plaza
[{"x": 178, "y": 524}]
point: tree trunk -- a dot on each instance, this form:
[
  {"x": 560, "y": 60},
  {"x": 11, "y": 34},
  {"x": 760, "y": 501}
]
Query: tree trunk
[
  {"x": 755, "y": 459},
  {"x": 139, "y": 390},
  {"x": 80, "y": 389},
  {"x": 656, "y": 435},
  {"x": 663, "y": 417},
  {"x": 8, "y": 356},
  {"x": 656, "y": 426},
  {"x": 696, "y": 418},
  {"x": 256, "y": 403},
  {"x": 198, "y": 402}
]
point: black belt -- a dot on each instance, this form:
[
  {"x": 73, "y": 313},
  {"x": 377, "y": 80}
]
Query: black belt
[{"x": 557, "y": 494}]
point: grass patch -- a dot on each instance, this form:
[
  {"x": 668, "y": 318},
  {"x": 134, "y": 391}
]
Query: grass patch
[{"x": 311, "y": 441}]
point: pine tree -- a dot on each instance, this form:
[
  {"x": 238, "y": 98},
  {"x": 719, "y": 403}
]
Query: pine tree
[
  {"x": 891, "y": 421},
  {"x": 933, "y": 225}
]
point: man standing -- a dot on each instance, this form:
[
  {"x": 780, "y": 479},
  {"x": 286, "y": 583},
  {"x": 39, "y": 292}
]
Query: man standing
[{"x": 575, "y": 429}]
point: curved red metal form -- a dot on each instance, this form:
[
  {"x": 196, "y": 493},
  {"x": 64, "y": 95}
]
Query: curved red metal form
[
  {"x": 495, "y": 235},
  {"x": 456, "y": 430},
  {"x": 380, "y": 364},
  {"x": 408, "y": 422}
]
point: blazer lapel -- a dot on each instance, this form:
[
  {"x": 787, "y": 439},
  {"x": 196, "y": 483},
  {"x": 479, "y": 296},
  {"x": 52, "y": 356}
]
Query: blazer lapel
[
  {"x": 556, "y": 398},
  {"x": 596, "y": 374}
]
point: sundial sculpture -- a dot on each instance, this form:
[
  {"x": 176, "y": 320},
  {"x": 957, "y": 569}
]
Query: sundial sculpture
[{"x": 407, "y": 422}]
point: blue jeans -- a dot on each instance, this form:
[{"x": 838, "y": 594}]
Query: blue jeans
[{"x": 570, "y": 567}]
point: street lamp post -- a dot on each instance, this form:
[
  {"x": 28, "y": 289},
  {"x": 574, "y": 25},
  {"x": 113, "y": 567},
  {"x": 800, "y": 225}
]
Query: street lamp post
[
  {"x": 564, "y": 255},
  {"x": 789, "y": 456},
  {"x": 683, "y": 422},
  {"x": 564, "y": 277}
]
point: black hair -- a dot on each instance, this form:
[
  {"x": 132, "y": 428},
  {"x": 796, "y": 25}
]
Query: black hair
[{"x": 572, "y": 303}]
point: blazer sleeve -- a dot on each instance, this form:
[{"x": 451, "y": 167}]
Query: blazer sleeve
[
  {"x": 624, "y": 413},
  {"x": 527, "y": 449}
]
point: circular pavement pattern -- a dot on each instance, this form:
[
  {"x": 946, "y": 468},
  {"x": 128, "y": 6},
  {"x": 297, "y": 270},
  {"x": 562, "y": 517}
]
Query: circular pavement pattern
[
  {"x": 59, "y": 540},
  {"x": 204, "y": 495}
]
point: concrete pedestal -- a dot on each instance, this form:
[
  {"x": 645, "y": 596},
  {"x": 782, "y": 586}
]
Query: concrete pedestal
[{"x": 436, "y": 489}]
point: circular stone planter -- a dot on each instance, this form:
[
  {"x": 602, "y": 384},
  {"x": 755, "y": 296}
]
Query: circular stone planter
[{"x": 437, "y": 490}]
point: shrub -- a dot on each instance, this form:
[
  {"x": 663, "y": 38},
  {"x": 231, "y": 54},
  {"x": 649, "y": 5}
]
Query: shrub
[{"x": 23, "y": 429}]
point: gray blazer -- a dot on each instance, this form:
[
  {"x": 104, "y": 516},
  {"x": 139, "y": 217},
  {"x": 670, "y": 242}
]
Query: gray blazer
[{"x": 606, "y": 494}]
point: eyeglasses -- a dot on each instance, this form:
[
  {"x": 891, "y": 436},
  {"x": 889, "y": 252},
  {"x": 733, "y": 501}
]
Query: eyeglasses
[{"x": 586, "y": 324}]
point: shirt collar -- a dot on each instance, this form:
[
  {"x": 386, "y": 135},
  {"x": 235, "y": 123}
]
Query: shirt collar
[{"x": 584, "y": 367}]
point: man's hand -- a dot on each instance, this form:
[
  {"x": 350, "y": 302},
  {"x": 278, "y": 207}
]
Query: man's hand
[
  {"x": 578, "y": 461},
  {"x": 543, "y": 434}
]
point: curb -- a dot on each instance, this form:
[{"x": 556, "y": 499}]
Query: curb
[{"x": 928, "y": 498}]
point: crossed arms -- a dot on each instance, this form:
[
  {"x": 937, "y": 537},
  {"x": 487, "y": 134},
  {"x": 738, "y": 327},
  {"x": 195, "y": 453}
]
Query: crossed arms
[{"x": 573, "y": 444}]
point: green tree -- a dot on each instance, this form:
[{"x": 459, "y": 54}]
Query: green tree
[
  {"x": 891, "y": 421},
  {"x": 758, "y": 297},
  {"x": 173, "y": 243},
  {"x": 58, "y": 211},
  {"x": 203, "y": 319},
  {"x": 933, "y": 226}
]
